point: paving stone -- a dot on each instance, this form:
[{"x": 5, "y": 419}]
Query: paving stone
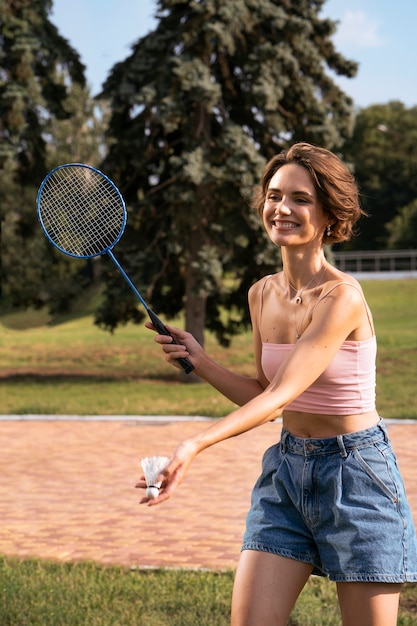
[{"x": 67, "y": 492}]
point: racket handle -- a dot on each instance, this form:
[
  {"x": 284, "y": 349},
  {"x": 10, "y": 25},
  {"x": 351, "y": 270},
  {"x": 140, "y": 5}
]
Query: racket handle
[{"x": 186, "y": 364}]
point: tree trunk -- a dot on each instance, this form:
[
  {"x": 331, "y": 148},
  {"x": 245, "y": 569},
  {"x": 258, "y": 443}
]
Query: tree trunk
[
  {"x": 195, "y": 316},
  {"x": 195, "y": 300}
]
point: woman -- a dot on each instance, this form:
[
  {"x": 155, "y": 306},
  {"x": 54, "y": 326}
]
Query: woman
[{"x": 330, "y": 499}]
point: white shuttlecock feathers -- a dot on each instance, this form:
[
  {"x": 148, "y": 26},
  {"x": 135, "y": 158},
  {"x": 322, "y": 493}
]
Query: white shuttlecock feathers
[{"x": 152, "y": 467}]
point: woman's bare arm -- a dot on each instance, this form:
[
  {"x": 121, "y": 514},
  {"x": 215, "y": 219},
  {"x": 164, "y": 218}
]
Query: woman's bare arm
[
  {"x": 334, "y": 320},
  {"x": 236, "y": 387}
]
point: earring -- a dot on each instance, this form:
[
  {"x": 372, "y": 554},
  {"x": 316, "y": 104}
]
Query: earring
[{"x": 329, "y": 230}]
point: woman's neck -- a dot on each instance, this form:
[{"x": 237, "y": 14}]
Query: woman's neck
[{"x": 300, "y": 269}]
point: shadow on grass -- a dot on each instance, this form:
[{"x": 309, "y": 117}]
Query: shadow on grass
[{"x": 24, "y": 377}]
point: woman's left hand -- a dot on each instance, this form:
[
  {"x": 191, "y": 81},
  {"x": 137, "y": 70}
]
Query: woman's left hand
[{"x": 174, "y": 473}]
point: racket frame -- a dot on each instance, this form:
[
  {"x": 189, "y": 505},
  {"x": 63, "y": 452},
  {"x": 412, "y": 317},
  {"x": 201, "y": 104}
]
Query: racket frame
[{"x": 185, "y": 363}]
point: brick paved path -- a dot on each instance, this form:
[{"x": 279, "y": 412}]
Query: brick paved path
[{"x": 67, "y": 492}]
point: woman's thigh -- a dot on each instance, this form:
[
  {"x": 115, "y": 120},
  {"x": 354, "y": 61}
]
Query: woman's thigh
[
  {"x": 369, "y": 604},
  {"x": 266, "y": 588}
]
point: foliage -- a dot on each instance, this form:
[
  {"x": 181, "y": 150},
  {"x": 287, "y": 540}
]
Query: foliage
[
  {"x": 195, "y": 105},
  {"x": 195, "y": 110},
  {"x": 46, "y": 117},
  {"x": 80, "y": 136},
  {"x": 35, "y": 63},
  {"x": 383, "y": 149},
  {"x": 403, "y": 228}
]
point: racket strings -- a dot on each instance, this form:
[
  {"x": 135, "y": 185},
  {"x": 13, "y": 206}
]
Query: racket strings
[{"x": 81, "y": 211}]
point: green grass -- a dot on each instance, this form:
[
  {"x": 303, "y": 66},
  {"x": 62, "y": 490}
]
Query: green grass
[
  {"x": 75, "y": 368},
  {"x": 394, "y": 305},
  {"x": 42, "y": 593},
  {"x": 38, "y": 593}
]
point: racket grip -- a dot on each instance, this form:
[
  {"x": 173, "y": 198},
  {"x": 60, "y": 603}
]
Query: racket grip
[{"x": 186, "y": 364}]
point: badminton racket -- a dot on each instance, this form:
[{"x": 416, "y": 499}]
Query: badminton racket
[{"x": 83, "y": 214}]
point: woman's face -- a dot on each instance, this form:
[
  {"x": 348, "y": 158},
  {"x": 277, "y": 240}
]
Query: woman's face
[{"x": 292, "y": 214}]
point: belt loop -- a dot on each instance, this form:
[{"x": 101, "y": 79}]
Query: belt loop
[
  {"x": 284, "y": 436},
  {"x": 341, "y": 446},
  {"x": 381, "y": 426}
]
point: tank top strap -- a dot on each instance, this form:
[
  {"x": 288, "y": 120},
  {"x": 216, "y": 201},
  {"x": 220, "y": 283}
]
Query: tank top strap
[
  {"x": 329, "y": 291},
  {"x": 261, "y": 299}
]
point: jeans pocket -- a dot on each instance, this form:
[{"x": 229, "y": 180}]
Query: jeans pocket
[{"x": 378, "y": 472}]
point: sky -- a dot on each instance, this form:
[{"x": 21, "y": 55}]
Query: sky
[{"x": 378, "y": 34}]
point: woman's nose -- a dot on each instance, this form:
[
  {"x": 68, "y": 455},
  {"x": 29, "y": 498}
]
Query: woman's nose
[{"x": 282, "y": 207}]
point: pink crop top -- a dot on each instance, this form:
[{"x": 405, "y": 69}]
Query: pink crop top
[{"x": 346, "y": 387}]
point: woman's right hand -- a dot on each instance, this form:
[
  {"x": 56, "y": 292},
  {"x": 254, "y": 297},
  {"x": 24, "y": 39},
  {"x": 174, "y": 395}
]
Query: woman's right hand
[{"x": 185, "y": 347}]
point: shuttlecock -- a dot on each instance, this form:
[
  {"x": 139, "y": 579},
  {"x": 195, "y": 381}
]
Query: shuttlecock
[{"x": 152, "y": 467}]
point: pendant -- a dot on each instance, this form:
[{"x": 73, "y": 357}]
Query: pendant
[
  {"x": 298, "y": 300},
  {"x": 297, "y": 336}
]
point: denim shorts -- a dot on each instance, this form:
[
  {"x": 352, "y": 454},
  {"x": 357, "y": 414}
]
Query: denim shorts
[{"x": 338, "y": 504}]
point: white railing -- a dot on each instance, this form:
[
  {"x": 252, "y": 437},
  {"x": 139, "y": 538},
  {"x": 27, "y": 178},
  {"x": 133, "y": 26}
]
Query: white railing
[{"x": 376, "y": 260}]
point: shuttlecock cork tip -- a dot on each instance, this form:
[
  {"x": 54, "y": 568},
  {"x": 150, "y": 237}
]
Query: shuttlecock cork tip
[{"x": 152, "y": 492}]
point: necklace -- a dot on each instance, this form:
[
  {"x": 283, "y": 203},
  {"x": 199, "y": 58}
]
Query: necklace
[
  {"x": 298, "y": 332},
  {"x": 298, "y": 292},
  {"x": 299, "y": 300}
]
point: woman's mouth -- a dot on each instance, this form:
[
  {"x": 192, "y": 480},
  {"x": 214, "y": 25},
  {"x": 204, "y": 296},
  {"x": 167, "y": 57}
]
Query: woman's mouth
[{"x": 281, "y": 225}]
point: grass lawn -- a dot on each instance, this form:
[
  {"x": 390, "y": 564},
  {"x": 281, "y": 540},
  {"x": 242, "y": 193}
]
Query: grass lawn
[
  {"x": 72, "y": 367},
  {"x": 41, "y": 593}
]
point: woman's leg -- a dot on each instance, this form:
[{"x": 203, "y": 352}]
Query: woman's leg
[
  {"x": 369, "y": 604},
  {"x": 266, "y": 588}
]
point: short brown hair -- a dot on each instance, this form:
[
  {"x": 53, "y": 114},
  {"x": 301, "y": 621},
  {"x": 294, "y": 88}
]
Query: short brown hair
[{"x": 336, "y": 187}]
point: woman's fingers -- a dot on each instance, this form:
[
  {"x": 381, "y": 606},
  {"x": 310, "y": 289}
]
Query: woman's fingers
[{"x": 173, "y": 474}]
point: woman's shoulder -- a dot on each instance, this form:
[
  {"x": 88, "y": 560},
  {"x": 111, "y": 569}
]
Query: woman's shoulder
[
  {"x": 337, "y": 279},
  {"x": 341, "y": 292},
  {"x": 257, "y": 288},
  {"x": 342, "y": 283}
]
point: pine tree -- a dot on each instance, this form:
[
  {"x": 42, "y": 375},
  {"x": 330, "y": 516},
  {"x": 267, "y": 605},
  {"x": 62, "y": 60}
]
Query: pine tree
[
  {"x": 196, "y": 109},
  {"x": 36, "y": 63},
  {"x": 38, "y": 72}
]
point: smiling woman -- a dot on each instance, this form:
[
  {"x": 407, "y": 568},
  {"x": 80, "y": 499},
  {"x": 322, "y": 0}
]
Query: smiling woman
[
  {"x": 340, "y": 203},
  {"x": 327, "y": 500}
]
